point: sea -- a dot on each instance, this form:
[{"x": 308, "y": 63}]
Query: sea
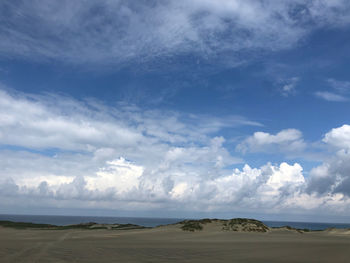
[{"x": 147, "y": 221}]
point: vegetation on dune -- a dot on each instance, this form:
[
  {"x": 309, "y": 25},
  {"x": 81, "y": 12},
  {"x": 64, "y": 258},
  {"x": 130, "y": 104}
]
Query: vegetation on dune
[
  {"x": 201, "y": 221},
  {"x": 299, "y": 230},
  {"x": 88, "y": 226},
  {"x": 191, "y": 225},
  {"x": 127, "y": 227},
  {"x": 22, "y": 225},
  {"x": 245, "y": 225},
  {"x": 236, "y": 224},
  {"x": 77, "y": 226}
]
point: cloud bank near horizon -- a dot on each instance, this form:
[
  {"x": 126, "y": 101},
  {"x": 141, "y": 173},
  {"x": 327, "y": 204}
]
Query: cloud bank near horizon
[{"x": 61, "y": 152}]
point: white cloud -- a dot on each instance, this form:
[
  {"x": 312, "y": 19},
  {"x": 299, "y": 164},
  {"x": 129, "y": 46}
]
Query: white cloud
[
  {"x": 340, "y": 90},
  {"x": 338, "y": 137},
  {"x": 121, "y": 175},
  {"x": 123, "y": 181},
  {"x": 32, "y": 123},
  {"x": 264, "y": 187},
  {"x": 58, "y": 122},
  {"x": 71, "y": 149},
  {"x": 123, "y": 185},
  {"x": 289, "y": 86},
  {"x": 120, "y": 32},
  {"x": 332, "y": 176},
  {"x": 286, "y": 174},
  {"x": 289, "y": 140},
  {"x": 59, "y": 152},
  {"x": 340, "y": 86},
  {"x": 329, "y": 96}
]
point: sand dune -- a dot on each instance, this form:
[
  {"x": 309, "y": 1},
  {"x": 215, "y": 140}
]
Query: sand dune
[{"x": 172, "y": 244}]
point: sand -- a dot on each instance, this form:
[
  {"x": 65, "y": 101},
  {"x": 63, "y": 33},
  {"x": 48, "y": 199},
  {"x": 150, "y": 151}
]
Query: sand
[{"x": 171, "y": 244}]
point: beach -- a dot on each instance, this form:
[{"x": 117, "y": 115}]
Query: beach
[{"x": 171, "y": 244}]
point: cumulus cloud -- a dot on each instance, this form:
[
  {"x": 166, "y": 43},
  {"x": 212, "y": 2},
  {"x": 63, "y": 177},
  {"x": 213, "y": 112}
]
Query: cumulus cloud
[
  {"x": 338, "y": 137},
  {"x": 82, "y": 150},
  {"x": 288, "y": 140},
  {"x": 333, "y": 176},
  {"x": 125, "y": 182},
  {"x": 124, "y": 185},
  {"x": 60, "y": 152},
  {"x": 118, "y": 32}
]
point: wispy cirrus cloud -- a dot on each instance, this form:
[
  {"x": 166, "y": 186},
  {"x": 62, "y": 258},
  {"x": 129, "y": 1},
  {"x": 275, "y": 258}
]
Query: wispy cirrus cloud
[
  {"x": 120, "y": 32},
  {"x": 339, "y": 85},
  {"x": 288, "y": 86},
  {"x": 330, "y": 96},
  {"x": 52, "y": 121},
  {"x": 339, "y": 93}
]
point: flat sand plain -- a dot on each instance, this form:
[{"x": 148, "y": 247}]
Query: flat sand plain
[{"x": 171, "y": 244}]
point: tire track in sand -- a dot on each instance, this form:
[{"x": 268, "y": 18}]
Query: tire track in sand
[
  {"x": 48, "y": 245},
  {"x": 29, "y": 254}
]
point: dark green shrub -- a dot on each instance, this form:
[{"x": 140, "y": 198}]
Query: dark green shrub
[{"x": 191, "y": 226}]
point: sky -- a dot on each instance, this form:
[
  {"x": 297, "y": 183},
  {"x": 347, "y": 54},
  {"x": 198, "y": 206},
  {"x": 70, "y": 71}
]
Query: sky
[{"x": 186, "y": 109}]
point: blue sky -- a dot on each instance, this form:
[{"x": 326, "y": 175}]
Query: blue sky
[{"x": 171, "y": 108}]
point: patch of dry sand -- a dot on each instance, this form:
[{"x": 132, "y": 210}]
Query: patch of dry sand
[{"x": 171, "y": 244}]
